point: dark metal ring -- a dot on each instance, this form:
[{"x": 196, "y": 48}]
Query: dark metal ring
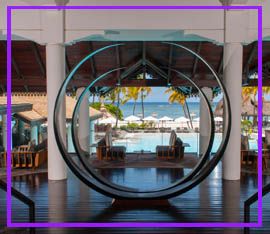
[
  {"x": 83, "y": 156},
  {"x": 168, "y": 193}
]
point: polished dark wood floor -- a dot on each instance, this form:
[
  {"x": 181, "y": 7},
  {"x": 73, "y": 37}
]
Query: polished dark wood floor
[{"x": 214, "y": 200}]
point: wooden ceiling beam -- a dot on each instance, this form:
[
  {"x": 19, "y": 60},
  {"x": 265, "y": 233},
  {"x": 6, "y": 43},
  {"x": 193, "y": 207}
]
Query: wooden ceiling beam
[
  {"x": 170, "y": 62},
  {"x": 92, "y": 61},
  {"x": 39, "y": 59},
  {"x": 14, "y": 63},
  {"x": 118, "y": 62},
  {"x": 248, "y": 62},
  {"x": 250, "y": 56},
  {"x": 254, "y": 82},
  {"x": 2, "y": 88},
  {"x": 154, "y": 83},
  {"x": 220, "y": 64},
  {"x": 68, "y": 67},
  {"x": 196, "y": 60}
]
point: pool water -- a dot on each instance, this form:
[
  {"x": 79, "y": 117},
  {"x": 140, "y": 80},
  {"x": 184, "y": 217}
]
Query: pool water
[{"x": 149, "y": 141}]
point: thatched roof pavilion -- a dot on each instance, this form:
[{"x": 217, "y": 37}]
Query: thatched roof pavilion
[
  {"x": 249, "y": 108},
  {"x": 39, "y": 111}
]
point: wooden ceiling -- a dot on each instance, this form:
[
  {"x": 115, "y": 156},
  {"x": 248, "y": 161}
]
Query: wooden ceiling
[{"x": 154, "y": 58}]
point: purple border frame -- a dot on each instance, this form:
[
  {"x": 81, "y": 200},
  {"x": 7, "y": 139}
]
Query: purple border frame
[{"x": 133, "y": 224}]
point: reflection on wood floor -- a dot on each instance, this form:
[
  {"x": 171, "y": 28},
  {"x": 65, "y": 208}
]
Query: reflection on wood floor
[
  {"x": 148, "y": 160},
  {"x": 214, "y": 200}
]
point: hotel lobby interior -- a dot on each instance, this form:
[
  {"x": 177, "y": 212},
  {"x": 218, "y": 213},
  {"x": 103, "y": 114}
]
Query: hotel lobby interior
[{"x": 134, "y": 119}]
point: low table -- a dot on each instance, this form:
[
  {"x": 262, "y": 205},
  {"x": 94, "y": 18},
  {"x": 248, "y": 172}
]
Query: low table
[{"x": 141, "y": 152}]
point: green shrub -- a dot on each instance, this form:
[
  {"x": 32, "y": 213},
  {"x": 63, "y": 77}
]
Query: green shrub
[
  {"x": 123, "y": 127},
  {"x": 144, "y": 125},
  {"x": 133, "y": 126},
  {"x": 112, "y": 109},
  {"x": 246, "y": 127}
]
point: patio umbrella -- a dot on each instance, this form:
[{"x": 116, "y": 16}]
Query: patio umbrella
[
  {"x": 150, "y": 118},
  {"x": 165, "y": 118},
  {"x": 132, "y": 118},
  {"x": 109, "y": 120},
  {"x": 218, "y": 119},
  {"x": 181, "y": 119}
]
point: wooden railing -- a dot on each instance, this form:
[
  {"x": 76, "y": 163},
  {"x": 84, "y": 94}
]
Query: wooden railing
[
  {"x": 249, "y": 202},
  {"x": 20, "y": 196},
  {"x": 24, "y": 159}
]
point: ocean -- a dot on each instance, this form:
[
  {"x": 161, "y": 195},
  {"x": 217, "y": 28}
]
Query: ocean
[{"x": 160, "y": 109}]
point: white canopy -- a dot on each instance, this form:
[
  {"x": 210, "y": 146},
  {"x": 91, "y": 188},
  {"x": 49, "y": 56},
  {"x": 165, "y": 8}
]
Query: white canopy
[
  {"x": 181, "y": 119},
  {"x": 132, "y": 118},
  {"x": 218, "y": 119},
  {"x": 196, "y": 119},
  {"x": 165, "y": 118},
  {"x": 109, "y": 120},
  {"x": 150, "y": 118}
]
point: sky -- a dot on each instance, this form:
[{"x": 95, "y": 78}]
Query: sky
[{"x": 158, "y": 95}]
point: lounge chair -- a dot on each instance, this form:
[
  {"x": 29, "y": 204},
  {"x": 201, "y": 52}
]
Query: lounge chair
[
  {"x": 27, "y": 156},
  {"x": 105, "y": 149},
  {"x": 267, "y": 139},
  {"x": 247, "y": 155},
  {"x": 175, "y": 149}
]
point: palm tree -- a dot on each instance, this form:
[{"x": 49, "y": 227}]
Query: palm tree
[
  {"x": 145, "y": 91},
  {"x": 250, "y": 93},
  {"x": 176, "y": 96},
  {"x": 132, "y": 93},
  {"x": 118, "y": 92},
  {"x": 114, "y": 97}
]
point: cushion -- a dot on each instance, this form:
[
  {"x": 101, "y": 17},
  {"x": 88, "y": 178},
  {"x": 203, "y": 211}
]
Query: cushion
[
  {"x": 173, "y": 137},
  {"x": 267, "y": 137},
  {"x": 178, "y": 142},
  {"x": 163, "y": 150},
  {"x": 244, "y": 142},
  {"x": 101, "y": 148},
  {"x": 108, "y": 138},
  {"x": 41, "y": 146},
  {"x": 118, "y": 151}
]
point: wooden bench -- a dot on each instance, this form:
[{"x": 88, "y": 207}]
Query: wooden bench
[{"x": 25, "y": 159}]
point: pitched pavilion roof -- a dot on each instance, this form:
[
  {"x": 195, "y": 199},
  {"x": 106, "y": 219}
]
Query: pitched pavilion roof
[
  {"x": 29, "y": 64},
  {"x": 249, "y": 108},
  {"x": 39, "y": 112}
]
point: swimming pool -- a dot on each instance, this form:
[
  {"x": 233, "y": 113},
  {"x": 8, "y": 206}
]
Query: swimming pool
[{"x": 149, "y": 141}]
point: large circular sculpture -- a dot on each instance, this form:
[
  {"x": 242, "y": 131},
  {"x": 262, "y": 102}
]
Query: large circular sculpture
[{"x": 87, "y": 174}]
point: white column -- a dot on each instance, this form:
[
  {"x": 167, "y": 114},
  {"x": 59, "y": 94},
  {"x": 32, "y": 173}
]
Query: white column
[
  {"x": 55, "y": 65},
  {"x": 84, "y": 125},
  {"x": 21, "y": 131},
  {"x": 204, "y": 120},
  {"x": 232, "y": 78},
  {"x": 69, "y": 140},
  {"x": 92, "y": 135},
  {"x": 4, "y": 131},
  {"x": 34, "y": 134},
  {"x": 57, "y": 203}
]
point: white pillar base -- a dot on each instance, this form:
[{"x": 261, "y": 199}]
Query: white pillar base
[
  {"x": 4, "y": 131},
  {"x": 204, "y": 120},
  {"x": 84, "y": 121},
  {"x": 21, "y": 131},
  {"x": 92, "y": 136},
  {"x": 232, "y": 77},
  {"x": 69, "y": 140},
  {"x": 55, "y": 59},
  {"x": 34, "y": 134}
]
